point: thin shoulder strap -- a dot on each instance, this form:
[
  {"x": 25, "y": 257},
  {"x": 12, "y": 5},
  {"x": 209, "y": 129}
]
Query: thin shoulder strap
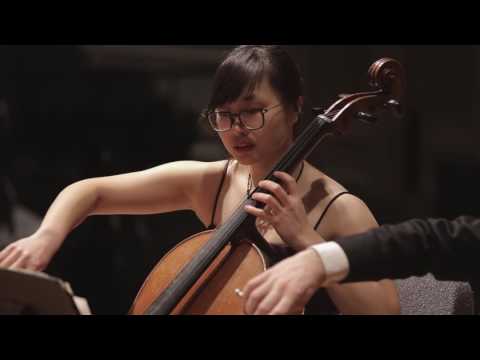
[
  {"x": 328, "y": 206},
  {"x": 212, "y": 225}
]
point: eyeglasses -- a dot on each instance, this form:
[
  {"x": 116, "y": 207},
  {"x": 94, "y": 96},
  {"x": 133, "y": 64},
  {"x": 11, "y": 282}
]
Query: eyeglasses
[{"x": 252, "y": 119}]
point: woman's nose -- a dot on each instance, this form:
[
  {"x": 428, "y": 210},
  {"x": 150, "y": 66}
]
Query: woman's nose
[{"x": 237, "y": 124}]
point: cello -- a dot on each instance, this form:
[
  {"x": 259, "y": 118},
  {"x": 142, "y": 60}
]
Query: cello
[{"x": 204, "y": 274}]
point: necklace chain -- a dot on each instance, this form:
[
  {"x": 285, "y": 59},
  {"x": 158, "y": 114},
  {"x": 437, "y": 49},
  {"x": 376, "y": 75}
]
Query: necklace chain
[{"x": 250, "y": 181}]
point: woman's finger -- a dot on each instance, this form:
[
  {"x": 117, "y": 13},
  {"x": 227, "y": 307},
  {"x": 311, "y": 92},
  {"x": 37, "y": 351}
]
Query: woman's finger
[
  {"x": 10, "y": 259},
  {"x": 276, "y": 190},
  {"x": 288, "y": 182},
  {"x": 272, "y": 206}
]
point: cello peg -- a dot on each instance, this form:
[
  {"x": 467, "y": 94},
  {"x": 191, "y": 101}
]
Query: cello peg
[
  {"x": 365, "y": 117},
  {"x": 396, "y": 108}
]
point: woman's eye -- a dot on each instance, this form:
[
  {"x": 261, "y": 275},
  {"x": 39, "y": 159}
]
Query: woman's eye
[{"x": 251, "y": 111}]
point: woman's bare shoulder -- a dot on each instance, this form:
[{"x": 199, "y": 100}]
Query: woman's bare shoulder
[
  {"x": 320, "y": 179},
  {"x": 350, "y": 215},
  {"x": 347, "y": 214}
]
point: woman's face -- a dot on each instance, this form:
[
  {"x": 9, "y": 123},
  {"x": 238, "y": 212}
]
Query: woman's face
[{"x": 264, "y": 145}]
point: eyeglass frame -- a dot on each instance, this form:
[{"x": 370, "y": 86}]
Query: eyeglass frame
[{"x": 232, "y": 116}]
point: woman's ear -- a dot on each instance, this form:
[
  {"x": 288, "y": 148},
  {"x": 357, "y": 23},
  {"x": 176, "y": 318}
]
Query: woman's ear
[
  {"x": 300, "y": 102},
  {"x": 299, "y": 108}
]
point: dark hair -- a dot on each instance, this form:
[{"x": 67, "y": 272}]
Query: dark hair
[{"x": 245, "y": 67}]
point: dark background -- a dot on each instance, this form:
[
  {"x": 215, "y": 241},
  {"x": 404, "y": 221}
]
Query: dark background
[{"x": 72, "y": 112}]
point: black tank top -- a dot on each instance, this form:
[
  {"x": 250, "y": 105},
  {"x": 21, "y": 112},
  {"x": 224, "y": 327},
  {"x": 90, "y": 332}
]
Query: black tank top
[
  {"x": 212, "y": 221},
  {"x": 320, "y": 303}
]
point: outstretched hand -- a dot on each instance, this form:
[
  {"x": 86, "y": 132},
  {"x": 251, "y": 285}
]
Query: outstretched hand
[
  {"x": 286, "y": 287},
  {"x": 30, "y": 253}
]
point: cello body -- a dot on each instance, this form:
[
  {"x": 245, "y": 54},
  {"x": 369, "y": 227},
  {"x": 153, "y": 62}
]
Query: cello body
[{"x": 216, "y": 291}]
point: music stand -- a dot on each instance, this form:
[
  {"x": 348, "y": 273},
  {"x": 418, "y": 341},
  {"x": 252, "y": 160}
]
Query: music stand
[{"x": 24, "y": 292}]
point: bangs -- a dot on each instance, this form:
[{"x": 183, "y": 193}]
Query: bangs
[{"x": 238, "y": 75}]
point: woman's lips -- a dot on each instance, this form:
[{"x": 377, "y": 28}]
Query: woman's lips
[{"x": 243, "y": 147}]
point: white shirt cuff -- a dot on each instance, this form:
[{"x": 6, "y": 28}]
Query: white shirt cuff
[{"x": 334, "y": 260}]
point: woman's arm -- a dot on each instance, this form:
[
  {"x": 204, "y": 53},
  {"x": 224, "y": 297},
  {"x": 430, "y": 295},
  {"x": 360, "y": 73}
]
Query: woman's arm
[{"x": 165, "y": 188}]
